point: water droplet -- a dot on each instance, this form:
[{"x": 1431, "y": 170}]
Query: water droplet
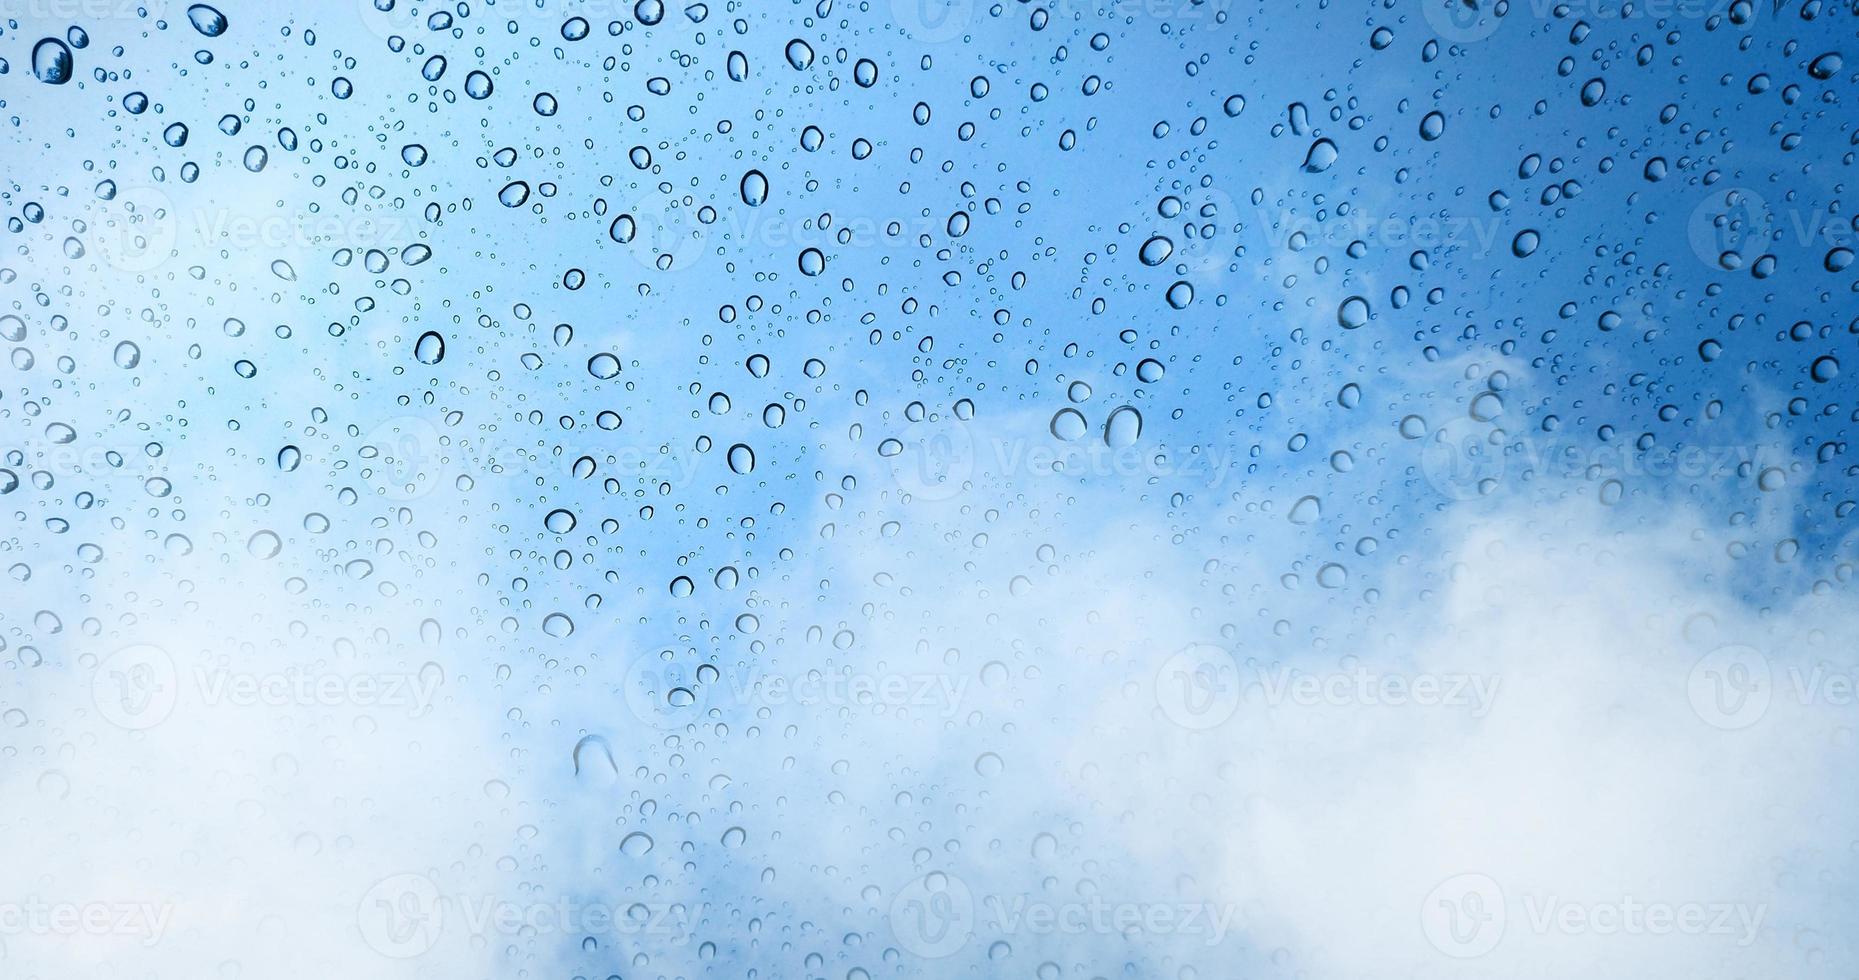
[
  {"x": 1487, "y": 406},
  {"x": 1069, "y": 424},
  {"x": 593, "y": 756},
  {"x": 206, "y": 20},
  {"x": 754, "y": 188},
  {"x": 1156, "y": 251},
  {"x": 264, "y": 544},
  {"x": 741, "y": 459},
  {"x": 430, "y": 348},
  {"x": 1353, "y": 313},
  {"x": 1321, "y": 157},
  {"x": 799, "y": 54},
  {"x": 51, "y": 62},
  {"x": 1123, "y": 427}
]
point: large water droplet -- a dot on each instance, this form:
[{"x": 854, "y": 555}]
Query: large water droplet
[
  {"x": 1321, "y": 157},
  {"x": 1123, "y": 427},
  {"x": 754, "y": 188},
  {"x": 799, "y": 54},
  {"x": 741, "y": 459},
  {"x": 593, "y": 756},
  {"x": 1068, "y": 424},
  {"x": 1353, "y": 313},
  {"x": 51, "y": 62},
  {"x": 206, "y": 20}
]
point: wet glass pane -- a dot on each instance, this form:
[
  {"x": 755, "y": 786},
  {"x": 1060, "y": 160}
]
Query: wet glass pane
[{"x": 928, "y": 488}]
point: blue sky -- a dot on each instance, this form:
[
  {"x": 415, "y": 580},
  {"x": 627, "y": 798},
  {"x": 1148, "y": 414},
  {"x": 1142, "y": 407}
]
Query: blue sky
[{"x": 1007, "y": 549}]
